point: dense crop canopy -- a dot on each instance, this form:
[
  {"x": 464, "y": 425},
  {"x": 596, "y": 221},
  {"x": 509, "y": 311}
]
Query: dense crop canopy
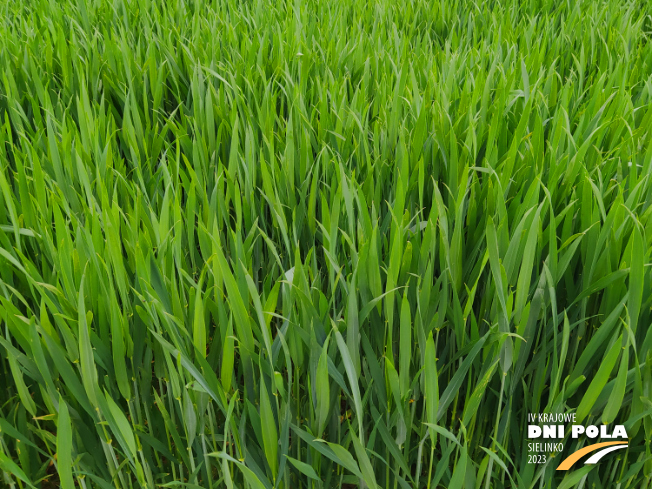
[{"x": 322, "y": 243}]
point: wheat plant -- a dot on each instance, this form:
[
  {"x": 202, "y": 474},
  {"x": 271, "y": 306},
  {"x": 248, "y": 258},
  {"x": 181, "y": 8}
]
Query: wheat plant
[{"x": 322, "y": 244}]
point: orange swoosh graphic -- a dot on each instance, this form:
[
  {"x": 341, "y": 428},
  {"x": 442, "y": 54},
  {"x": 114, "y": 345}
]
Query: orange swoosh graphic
[{"x": 574, "y": 457}]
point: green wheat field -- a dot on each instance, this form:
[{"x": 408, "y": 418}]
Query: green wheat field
[{"x": 323, "y": 243}]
